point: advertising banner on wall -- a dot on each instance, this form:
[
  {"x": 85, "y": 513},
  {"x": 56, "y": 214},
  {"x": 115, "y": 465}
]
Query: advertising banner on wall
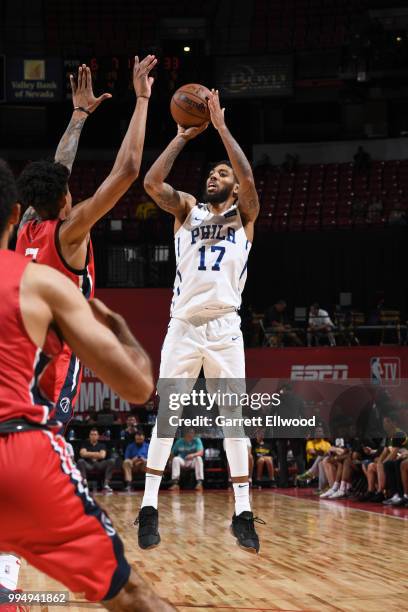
[
  {"x": 255, "y": 77},
  {"x": 34, "y": 80}
]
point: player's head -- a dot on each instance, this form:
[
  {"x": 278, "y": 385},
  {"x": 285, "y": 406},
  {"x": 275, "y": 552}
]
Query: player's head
[
  {"x": 131, "y": 421},
  {"x": 139, "y": 437},
  {"x": 314, "y": 309},
  {"x": 9, "y": 208},
  {"x": 44, "y": 186},
  {"x": 189, "y": 435},
  {"x": 319, "y": 432},
  {"x": 221, "y": 183},
  {"x": 94, "y": 435},
  {"x": 280, "y": 305},
  {"x": 260, "y": 435},
  {"x": 390, "y": 422}
]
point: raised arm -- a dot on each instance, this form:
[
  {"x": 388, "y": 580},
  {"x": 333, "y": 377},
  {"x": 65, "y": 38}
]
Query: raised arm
[
  {"x": 84, "y": 102},
  {"x": 178, "y": 203},
  {"x": 98, "y": 336},
  {"x": 248, "y": 202},
  {"x": 126, "y": 167}
]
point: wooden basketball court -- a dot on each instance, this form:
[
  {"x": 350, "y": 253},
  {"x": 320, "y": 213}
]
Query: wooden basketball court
[{"x": 318, "y": 556}]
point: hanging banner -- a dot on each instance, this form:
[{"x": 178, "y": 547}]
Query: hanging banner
[{"x": 34, "y": 80}]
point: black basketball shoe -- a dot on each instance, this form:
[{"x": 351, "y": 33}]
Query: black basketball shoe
[
  {"x": 148, "y": 530},
  {"x": 243, "y": 528}
]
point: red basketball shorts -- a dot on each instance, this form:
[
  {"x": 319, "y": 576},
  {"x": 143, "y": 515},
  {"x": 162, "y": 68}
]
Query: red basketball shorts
[{"x": 48, "y": 517}]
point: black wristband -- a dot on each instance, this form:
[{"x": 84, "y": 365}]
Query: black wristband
[{"x": 81, "y": 108}]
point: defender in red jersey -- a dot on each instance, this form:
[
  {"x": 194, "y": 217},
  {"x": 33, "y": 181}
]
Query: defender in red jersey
[
  {"x": 53, "y": 232},
  {"x": 46, "y": 513}
]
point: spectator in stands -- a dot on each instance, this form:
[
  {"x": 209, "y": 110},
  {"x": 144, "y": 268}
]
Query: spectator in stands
[
  {"x": 362, "y": 160},
  {"x": 135, "y": 458},
  {"x": 277, "y": 327},
  {"x": 404, "y": 479},
  {"x": 107, "y": 409},
  {"x": 392, "y": 465},
  {"x": 262, "y": 451},
  {"x": 91, "y": 417},
  {"x": 397, "y": 218},
  {"x": 93, "y": 458},
  {"x": 128, "y": 434},
  {"x": 319, "y": 325},
  {"x": 337, "y": 465},
  {"x": 376, "y": 471},
  {"x": 316, "y": 449},
  {"x": 187, "y": 453}
]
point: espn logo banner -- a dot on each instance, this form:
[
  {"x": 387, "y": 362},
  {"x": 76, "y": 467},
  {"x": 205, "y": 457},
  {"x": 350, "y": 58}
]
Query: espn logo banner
[{"x": 319, "y": 372}]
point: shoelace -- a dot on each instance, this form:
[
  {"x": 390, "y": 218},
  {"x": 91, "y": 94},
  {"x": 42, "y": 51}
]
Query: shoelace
[{"x": 256, "y": 519}]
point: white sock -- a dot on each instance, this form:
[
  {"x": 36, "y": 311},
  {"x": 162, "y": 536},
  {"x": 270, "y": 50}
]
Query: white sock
[
  {"x": 9, "y": 568},
  {"x": 343, "y": 486},
  {"x": 335, "y": 487},
  {"x": 241, "y": 493},
  {"x": 151, "y": 492}
]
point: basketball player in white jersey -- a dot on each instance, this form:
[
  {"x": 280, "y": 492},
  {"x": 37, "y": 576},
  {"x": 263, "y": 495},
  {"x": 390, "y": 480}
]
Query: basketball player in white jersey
[{"x": 212, "y": 243}]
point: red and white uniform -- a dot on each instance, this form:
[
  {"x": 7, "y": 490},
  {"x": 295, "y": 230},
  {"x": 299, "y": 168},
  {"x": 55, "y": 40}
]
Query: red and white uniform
[
  {"x": 46, "y": 513},
  {"x": 39, "y": 241}
]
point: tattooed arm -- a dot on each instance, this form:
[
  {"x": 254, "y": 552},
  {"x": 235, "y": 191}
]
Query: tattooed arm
[
  {"x": 29, "y": 215},
  {"x": 68, "y": 145},
  {"x": 84, "y": 98},
  {"x": 178, "y": 203},
  {"x": 248, "y": 202}
]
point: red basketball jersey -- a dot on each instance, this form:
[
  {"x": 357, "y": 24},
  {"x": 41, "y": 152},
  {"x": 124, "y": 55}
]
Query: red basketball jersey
[
  {"x": 22, "y": 364},
  {"x": 39, "y": 240}
]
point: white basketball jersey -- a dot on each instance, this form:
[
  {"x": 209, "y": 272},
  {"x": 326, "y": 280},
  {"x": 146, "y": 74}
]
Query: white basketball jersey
[{"x": 211, "y": 258}]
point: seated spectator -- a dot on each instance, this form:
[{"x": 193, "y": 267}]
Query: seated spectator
[
  {"x": 262, "y": 451},
  {"x": 319, "y": 325},
  {"x": 384, "y": 465},
  {"x": 135, "y": 458},
  {"x": 187, "y": 453},
  {"x": 316, "y": 449},
  {"x": 277, "y": 327},
  {"x": 128, "y": 434},
  {"x": 337, "y": 466},
  {"x": 93, "y": 459},
  {"x": 392, "y": 465},
  {"x": 404, "y": 480}
]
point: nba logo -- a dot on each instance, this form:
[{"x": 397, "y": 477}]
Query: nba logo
[{"x": 385, "y": 370}]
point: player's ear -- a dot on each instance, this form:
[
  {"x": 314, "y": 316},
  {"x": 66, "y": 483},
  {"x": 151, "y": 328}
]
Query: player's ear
[
  {"x": 15, "y": 214},
  {"x": 235, "y": 190}
]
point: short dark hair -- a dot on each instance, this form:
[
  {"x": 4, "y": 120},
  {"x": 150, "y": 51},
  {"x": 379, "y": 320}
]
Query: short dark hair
[
  {"x": 315, "y": 305},
  {"x": 225, "y": 162},
  {"x": 42, "y": 184},
  {"x": 94, "y": 429},
  {"x": 8, "y": 194}
]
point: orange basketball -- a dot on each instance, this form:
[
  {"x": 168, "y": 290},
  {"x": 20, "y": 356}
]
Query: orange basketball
[{"x": 189, "y": 105}]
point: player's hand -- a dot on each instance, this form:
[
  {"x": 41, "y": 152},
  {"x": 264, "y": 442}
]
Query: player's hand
[
  {"x": 191, "y": 132},
  {"x": 142, "y": 82},
  {"x": 189, "y": 457},
  {"x": 112, "y": 320},
  {"x": 82, "y": 92},
  {"x": 216, "y": 112}
]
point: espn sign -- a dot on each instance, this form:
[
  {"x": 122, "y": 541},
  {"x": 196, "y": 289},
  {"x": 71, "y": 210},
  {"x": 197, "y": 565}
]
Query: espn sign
[
  {"x": 385, "y": 370},
  {"x": 319, "y": 372}
]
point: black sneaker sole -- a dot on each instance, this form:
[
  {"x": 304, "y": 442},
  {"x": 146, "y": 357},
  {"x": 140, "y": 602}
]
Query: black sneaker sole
[
  {"x": 249, "y": 549},
  {"x": 149, "y": 547}
]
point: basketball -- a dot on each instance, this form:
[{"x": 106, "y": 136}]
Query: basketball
[{"x": 189, "y": 105}]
